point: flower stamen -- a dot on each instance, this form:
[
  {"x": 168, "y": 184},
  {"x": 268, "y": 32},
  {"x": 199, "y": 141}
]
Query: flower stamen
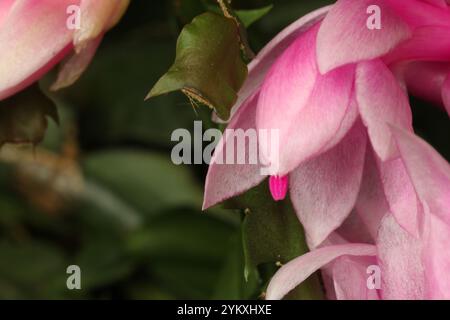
[{"x": 278, "y": 187}]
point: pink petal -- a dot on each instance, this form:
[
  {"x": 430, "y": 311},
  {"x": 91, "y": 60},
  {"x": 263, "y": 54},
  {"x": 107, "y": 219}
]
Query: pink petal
[
  {"x": 33, "y": 38},
  {"x": 381, "y": 101},
  {"x": 350, "y": 278},
  {"x": 399, "y": 254},
  {"x": 5, "y": 6},
  {"x": 324, "y": 189},
  {"x": 371, "y": 204},
  {"x": 224, "y": 181},
  {"x": 97, "y": 16},
  {"x": 417, "y": 13},
  {"x": 351, "y": 116},
  {"x": 438, "y": 3},
  {"x": 428, "y": 171},
  {"x": 401, "y": 196},
  {"x": 299, "y": 269},
  {"x": 427, "y": 43},
  {"x": 345, "y": 278},
  {"x": 73, "y": 68},
  {"x": 354, "y": 229},
  {"x": 295, "y": 100},
  {"x": 345, "y": 38},
  {"x": 259, "y": 66},
  {"x": 436, "y": 256},
  {"x": 333, "y": 239},
  {"x": 328, "y": 284}
]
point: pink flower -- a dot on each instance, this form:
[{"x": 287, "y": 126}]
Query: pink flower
[
  {"x": 35, "y": 36},
  {"x": 347, "y": 154},
  {"x": 320, "y": 120},
  {"x": 410, "y": 267}
]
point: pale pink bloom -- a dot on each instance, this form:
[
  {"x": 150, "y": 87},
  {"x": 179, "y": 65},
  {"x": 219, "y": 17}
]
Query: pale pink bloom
[
  {"x": 347, "y": 155},
  {"x": 323, "y": 120},
  {"x": 35, "y": 36},
  {"x": 423, "y": 61},
  {"x": 411, "y": 267}
]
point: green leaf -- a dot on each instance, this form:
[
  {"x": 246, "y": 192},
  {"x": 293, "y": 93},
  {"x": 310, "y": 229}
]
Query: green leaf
[
  {"x": 273, "y": 234},
  {"x": 148, "y": 182},
  {"x": 23, "y": 117},
  {"x": 208, "y": 67},
  {"x": 227, "y": 10},
  {"x": 102, "y": 262},
  {"x": 101, "y": 210},
  {"x": 248, "y": 17},
  {"x": 271, "y": 230},
  {"x": 184, "y": 251},
  {"x": 31, "y": 270},
  {"x": 232, "y": 284},
  {"x": 181, "y": 234}
]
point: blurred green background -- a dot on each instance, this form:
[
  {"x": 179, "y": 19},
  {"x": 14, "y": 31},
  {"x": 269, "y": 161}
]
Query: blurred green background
[{"x": 101, "y": 191}]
